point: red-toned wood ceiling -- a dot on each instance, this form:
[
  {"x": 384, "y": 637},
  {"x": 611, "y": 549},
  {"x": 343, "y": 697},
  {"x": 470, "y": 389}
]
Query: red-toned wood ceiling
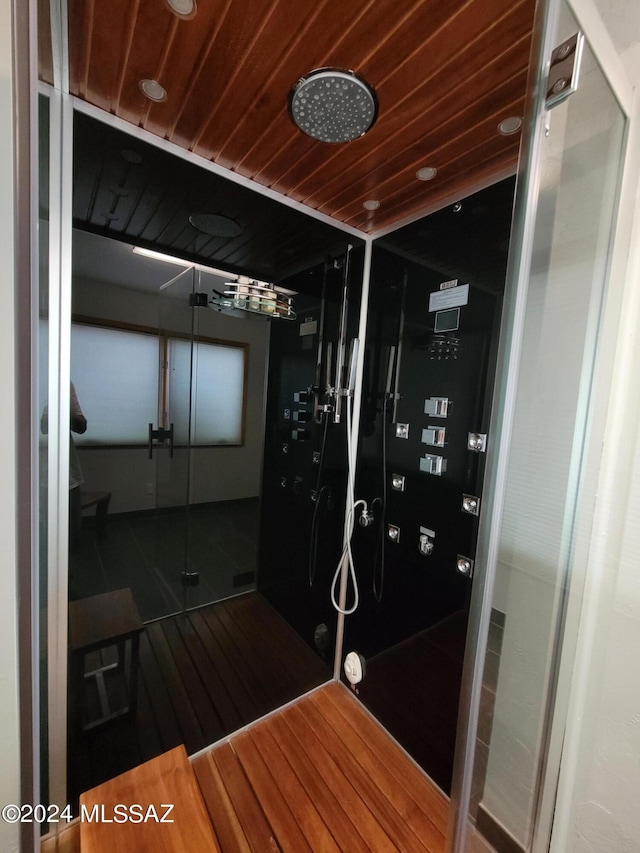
[{"x": 446, "y": 72}]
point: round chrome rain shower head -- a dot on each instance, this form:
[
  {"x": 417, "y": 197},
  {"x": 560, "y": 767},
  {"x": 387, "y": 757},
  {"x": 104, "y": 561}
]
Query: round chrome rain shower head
[{"x": 333, "y": 105}]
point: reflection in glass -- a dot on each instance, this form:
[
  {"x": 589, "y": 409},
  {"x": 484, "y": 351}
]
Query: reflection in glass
[{"x": 174, "y": 389}]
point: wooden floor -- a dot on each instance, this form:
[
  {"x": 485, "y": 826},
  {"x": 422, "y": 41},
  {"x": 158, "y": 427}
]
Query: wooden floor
[
  {"x": 203, "y": 675},
  {"x": 320, "y": 775}
]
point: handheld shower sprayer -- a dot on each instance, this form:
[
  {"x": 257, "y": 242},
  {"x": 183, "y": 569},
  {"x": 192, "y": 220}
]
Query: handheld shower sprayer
[{"x": 365, "y": 518}]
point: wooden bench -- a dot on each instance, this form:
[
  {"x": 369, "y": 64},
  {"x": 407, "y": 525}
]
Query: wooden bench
[
  {"x": 98, "y": 623},
  {"x": 167, "y": 779}
]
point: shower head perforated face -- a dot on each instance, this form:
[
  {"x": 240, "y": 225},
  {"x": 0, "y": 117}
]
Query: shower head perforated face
[{"x": 333, "y": 105}]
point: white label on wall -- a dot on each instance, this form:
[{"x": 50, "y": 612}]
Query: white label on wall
[
  {"x": 449, "y": 298},
  {"x": 308, "y": 328}
]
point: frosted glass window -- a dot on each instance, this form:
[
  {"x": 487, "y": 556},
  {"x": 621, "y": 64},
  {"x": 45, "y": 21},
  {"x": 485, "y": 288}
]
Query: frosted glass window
[
  {"x": 115, "y": 374},
  {"x": 217, "y": 392}
]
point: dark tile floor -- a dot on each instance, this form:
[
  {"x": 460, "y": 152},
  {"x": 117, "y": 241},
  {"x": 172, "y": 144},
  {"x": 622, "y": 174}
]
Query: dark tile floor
[{"x": 147, "y": 553}]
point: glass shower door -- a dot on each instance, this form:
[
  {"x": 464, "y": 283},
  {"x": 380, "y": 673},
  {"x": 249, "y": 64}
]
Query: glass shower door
[
  {"x": 542, "y": 493},
  {"x": 170, "y": 442},
  {"x": 205, "y": 538}
]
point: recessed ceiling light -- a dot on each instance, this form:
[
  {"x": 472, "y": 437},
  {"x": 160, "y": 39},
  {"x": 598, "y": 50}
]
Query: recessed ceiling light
[
  {"x": 427, "y": 173},
  {"x": 153, "y": 90},
  {"x": 333, "y": 105},
  {"x": 510, "y": 125},
  {"x": 185, "y": 9},
  {"x": 216, "y": 225},
  {"x": 371, "y": 204}
]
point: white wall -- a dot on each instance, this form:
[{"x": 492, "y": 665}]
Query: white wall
[
  {"x": 600, "y": 792},
  {"x": 220, "y": 473},
  {"x": 9, "y": 728}
]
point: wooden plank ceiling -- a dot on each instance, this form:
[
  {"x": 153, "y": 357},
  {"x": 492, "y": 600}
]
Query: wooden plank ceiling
[{"x": 446, "y": 72}]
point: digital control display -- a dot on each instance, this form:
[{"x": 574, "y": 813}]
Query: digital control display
[{"x": 447, "y": 321}]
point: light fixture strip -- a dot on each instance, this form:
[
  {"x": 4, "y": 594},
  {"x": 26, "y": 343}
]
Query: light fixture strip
[{"x": 171, "y": 259}]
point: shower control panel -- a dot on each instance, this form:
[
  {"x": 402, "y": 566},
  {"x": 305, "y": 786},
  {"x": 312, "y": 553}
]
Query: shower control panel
[
  {"x": 439, "y": 464},
  {"x": 434, "y": 435},
  {"x": 465, "y": 566},
  {"x": 477, "y": 441},
  {"x": 432, "y": 464},
  {"x": 437, "y": 407},
  {"x": 397, "y": 482},
  {"x": 426, "y": 543},
  {"x": 471, "y": 504}
]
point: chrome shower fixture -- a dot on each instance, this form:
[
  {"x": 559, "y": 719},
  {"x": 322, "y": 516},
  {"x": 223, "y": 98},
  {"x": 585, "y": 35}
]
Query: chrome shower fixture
[{"x": 333, "y": 105}]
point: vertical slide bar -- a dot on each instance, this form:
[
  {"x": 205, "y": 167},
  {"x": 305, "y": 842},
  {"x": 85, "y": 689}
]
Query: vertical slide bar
[
  {"x": 60, "y": 235},
  {"x": 355, "y": 427}
]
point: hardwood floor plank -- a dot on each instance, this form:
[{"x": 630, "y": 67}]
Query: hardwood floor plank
[
  {"x": 312, "y": 744},
  {"x": 297, "y": 797},
  {"x": 256, "y": 827},
  {"x": 213, "y": 684},
  {"x": 290, "y": 648},
  {"x": 434, "y": 803},
  {"x": 272, "y": 801},
  {"x": 252, "y": 648},
  {"x": 242, "y": 698},
  {"x": 199, "y": 683},
  {"x": 239, "y": 656},
  {"x": 225, "y": 821},
  {"x": 252, "y": 640},
  {"x": 372, "y": 763},
  {"x": 249, "y": 616},
  {"x": 394, "y": 822},
  {"x": 330, "y": 808},
  {"x": 148, "y": 732},
  {"x": 153, "y": 679},
  {"x": 320, "y": 775},
  {"x": 199, "y": 698},
  {"x": 192, "y": 733}
]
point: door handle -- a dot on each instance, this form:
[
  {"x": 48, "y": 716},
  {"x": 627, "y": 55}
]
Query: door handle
[{"x": 160, "y": 434}]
